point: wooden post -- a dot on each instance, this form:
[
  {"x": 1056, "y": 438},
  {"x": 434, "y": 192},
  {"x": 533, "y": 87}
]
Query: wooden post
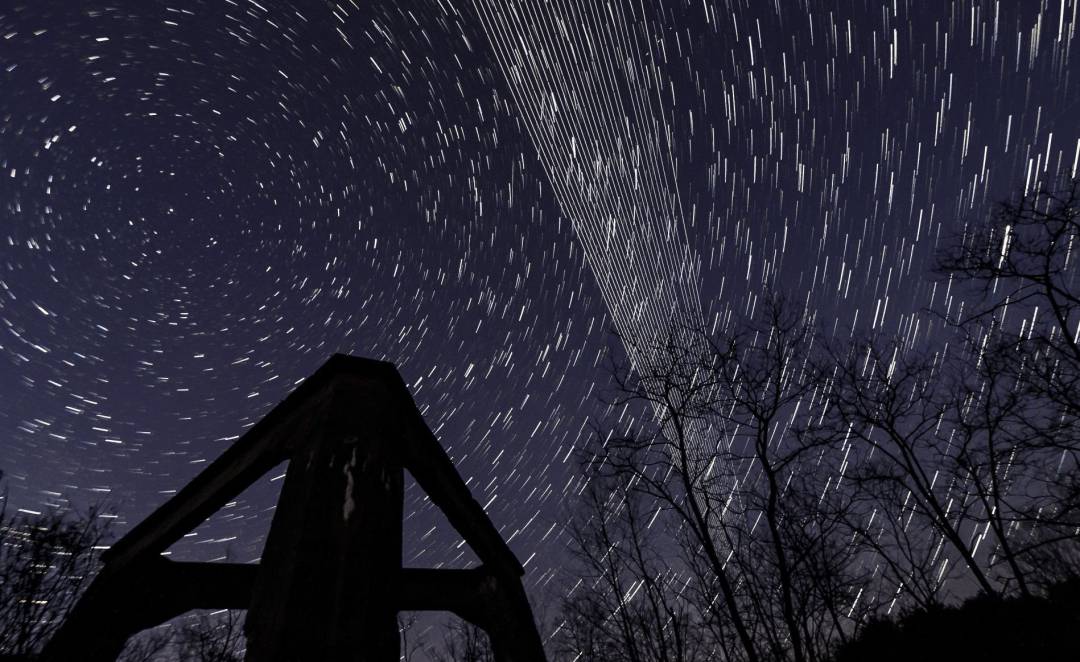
[{"x": 327, "y": 579}]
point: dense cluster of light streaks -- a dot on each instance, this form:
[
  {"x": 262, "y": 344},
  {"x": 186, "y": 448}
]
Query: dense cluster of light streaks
[
  {"x": 589, "y": 82},
  {"x": 244, "y": 193},
  {"x": 201, "y": 201},
  {"x": 590, "y": 89}
]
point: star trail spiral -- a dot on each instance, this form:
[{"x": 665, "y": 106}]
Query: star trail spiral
[{"x": 202, "y": 201}]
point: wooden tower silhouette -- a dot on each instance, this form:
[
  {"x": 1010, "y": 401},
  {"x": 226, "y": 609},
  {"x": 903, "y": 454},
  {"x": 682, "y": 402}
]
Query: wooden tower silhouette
[{"x": 330, "y": 581}]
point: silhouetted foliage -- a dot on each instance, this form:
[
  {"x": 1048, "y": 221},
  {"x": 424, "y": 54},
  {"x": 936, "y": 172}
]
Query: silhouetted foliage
[
  {"x": 985, "y": 628},
  {"x": 46, "y": 560},
  {"x": 463, "y": 642},
  {"x": 627, "y": 605},
  {"x": 217, "y": 637},
  {"x": 148, "y": 646},
  {"x": 1023, "y": 393}
]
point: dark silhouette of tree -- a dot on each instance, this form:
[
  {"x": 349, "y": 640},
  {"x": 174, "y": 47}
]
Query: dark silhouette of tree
[
  {"x": 411, "y": 643},
  {"x": 463, "y": 642},
  {"x": 798, "y": 488},
  {"x": 974, "y": 445},
  {"x": 628, "y": 605},
  {"x": 893, "y": 407},
  {"x": 1026, "y": 627},
  {"x": 1022, "y": 406},
  {"x": 216, "y": 637},
  {"x": 991, "y": 455},
  {"x": 721, "y": 444},
  {"x": 46, "y": 560},
  {"x": 148, "y": 646}
]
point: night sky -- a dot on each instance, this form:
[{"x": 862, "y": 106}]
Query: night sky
[{"x": 200, "y": 203}]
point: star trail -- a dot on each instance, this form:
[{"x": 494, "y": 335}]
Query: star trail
[{"x": 203, "y": 201}]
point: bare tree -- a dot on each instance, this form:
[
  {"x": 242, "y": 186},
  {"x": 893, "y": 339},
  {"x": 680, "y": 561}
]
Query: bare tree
[
  {"x": 148, "y": 646},
  {"x": 46, "y": 559},
  {"x": 1024, "y": 258},
  {"x": 463, "y": 642},
  {"x": 1023, "y": 400},
  {"x": 991, "y": 454},
  {"x": 212, "y": 637},
  {"x": 411, "y": 644},
  {"x": 723, "y": 446},
  {"x": 629, "y": 604},
  {"x": 894, "y": 406}
]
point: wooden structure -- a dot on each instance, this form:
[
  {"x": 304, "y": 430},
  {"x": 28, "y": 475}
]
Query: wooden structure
[{"x": 330, "y": 582}]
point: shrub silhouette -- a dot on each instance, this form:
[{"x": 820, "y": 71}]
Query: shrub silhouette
[{"x": 985, "y": 628}]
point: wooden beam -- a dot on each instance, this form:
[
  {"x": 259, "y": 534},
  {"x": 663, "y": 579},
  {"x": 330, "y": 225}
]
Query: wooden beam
[
  {"x": 457, "y": 591},
  {"x": 434, "y": 472},
  {"x": 117, "y": 605},
  {"x": 264, "y": 446},
  {"x": 207, "y": 585}
]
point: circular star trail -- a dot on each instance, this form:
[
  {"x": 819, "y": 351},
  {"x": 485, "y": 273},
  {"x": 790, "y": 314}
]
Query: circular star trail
[{"x": 201, "y": 202}]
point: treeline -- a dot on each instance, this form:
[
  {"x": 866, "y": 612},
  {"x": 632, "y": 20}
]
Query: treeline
[
  {"x": 769, "y": 491},
  {"x": 48, "y": 559}
]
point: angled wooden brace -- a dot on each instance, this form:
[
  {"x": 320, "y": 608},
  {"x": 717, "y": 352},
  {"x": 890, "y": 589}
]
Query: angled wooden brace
[{"x": 330, "y": 582}]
